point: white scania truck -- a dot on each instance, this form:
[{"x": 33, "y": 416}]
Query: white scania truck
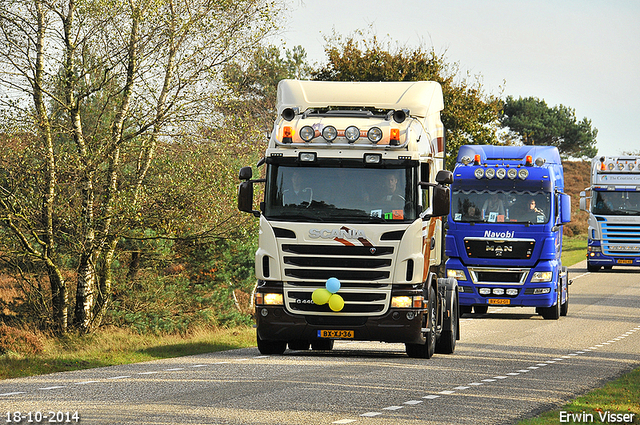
[
  {"x": 613, "y": 203},
  {"x": 351, "y": 232}
]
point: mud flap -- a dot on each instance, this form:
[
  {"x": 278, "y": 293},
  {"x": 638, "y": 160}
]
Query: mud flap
[{"x": 448, "y": 288}]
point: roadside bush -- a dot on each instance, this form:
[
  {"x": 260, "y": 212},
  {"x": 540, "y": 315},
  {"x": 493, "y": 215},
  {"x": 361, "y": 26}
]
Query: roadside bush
[{"x": 19, "y": 341}]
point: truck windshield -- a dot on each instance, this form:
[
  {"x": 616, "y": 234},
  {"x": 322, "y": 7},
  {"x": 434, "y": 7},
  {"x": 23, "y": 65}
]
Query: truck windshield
[
  {"x": 615, "y": 203},
  {"x": 500, "y": 207},
  {"x": 361, "y": 195}
]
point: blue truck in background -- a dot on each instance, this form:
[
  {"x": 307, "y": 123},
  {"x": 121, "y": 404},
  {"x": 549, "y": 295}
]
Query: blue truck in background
[
  {"x": 504, "y": 236},
  {"x": 613, "y": 204}
]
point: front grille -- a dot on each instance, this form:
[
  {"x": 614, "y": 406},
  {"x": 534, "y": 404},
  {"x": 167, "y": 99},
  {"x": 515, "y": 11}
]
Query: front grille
[
  {"x": 492, "y": 248},
  {"x": 621, "y": 239},
  {"x": 359, "y": 298},
  {"x": 509, "y": 276},
  {"x": 364, "y": 273}
]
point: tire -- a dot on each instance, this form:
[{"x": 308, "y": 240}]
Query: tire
[
  {"x": 592, "y": 268},
  {"x": 426, "y": 350},
  {"x": 480, "y": 309},
  {"x": 447, "y": 342},
  {"x": 299, "y": 345},
  {"x": 322, "y": 344},
  {"x": 553, "y": 312},
  {"x": 271, "y": 347},
  {"x": 564, "y": 308}
]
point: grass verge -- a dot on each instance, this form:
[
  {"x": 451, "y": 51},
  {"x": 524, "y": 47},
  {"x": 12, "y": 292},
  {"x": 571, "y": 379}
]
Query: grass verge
[
  {"x": 574, "y": 249},
  {"x": 114, "y": 346},
  {"x": 608, "y": 404}
]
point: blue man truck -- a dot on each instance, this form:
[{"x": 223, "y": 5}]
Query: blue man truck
[
  {"x": 613, "y": 203},
  {"x": 504, "y": 237}
]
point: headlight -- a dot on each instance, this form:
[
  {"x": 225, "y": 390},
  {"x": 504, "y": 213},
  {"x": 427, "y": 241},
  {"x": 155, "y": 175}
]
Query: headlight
[
  {"x": 268, "y": 299},
  {"x": 401, "y": 302},
  {"x": 594, "y": 248},
  {"x": 329, "y": 133},
  {"x": 479, "y": 173},
  {"x": 352, "y": 133},
  {"x": 512, "y": 173},
  {"x": 523, "y": 173},
  {"x": 538, "y": 291},
  {"x": 512, "y": 292},
  {"x": 405, "y": 301},
  {"x": 484, "y": 291},
  {"x": 307, "y": 133},
  {"x": 542, "y": 277},
  {"x": 498, "y": 291},
  {"x": 374, "y": 134},
  {"x": 501, "y": 173},
  {"x": 490, "y": 173},
  {"x": 456, "y": 274}
]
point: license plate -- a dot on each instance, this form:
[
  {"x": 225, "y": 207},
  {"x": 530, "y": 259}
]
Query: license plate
[
  {"x": 499, "y": 301},
  {"x": 335, "y": 334},
  {"x": 625, "y": 261}
]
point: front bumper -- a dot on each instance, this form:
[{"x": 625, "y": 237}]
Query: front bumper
[{"x": 397, "y": 325}]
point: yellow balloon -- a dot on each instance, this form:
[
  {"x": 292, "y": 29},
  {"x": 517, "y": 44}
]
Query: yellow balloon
[
  {"x": 320, "y": 296},
  {"x": 336, "y": 303}
]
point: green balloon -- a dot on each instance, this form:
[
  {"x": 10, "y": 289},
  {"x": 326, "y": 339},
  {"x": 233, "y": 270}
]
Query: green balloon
[
  {"x": 336, "y": 303},
  {"x": 321, "y": 296}
]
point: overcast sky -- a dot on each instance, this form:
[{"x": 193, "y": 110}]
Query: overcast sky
[{"x": 584, "y": 54}]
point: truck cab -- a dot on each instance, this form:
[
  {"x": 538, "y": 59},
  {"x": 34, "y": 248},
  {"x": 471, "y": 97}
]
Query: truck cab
[
  {"x": 613, "y": 204},
  {"x": 504, "y": 237},
  {"x": 351, "y": 229}
]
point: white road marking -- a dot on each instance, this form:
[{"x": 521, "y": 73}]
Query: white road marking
[
  {"x": 393, "y": 408},
  {"x": 412, "y": 402},
  {"x": 120, "y": 377},
  {"x": 57, "y": 387},
  {"x": 431, "y": 396}
]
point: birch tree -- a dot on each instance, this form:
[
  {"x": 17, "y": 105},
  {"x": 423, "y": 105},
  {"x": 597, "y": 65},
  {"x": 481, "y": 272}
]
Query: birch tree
[{"x": 96, "y": 85}]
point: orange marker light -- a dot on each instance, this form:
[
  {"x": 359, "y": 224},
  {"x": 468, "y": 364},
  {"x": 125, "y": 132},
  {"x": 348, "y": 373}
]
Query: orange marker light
[
  {"x": 529, "y": 161},
  {"x": 394, "y": 139},
  {"x": 287, "y": 135}
]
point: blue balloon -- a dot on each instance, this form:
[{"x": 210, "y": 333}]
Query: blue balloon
[{"x": 333, "y": 285}]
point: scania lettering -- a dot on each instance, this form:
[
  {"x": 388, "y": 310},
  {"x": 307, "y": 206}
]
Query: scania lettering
[
  {"x": 613, "y": 203},
  {"x": 336, "y": 233},
  {"x": 504, "y": 237},
  {"x": 351, "y": 224}
]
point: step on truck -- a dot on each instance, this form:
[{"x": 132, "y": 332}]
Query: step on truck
[
  {"x": 504, "y": 236},
  {"x": 613, "y": 203},
  {"x": 351, "y": 225}
]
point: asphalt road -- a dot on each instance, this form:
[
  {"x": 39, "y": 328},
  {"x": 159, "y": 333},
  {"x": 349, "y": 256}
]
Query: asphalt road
[{"x": 509, "y": 364}]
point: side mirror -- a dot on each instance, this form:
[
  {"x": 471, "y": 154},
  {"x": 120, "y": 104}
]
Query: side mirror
[
  {"x": 245, "y": 173},
  {"x": 444, "y": 177},
  {"x": 440, "y": 201},
  {"x": 565, "y": 208},
  {"x": 245, "y": 196}
]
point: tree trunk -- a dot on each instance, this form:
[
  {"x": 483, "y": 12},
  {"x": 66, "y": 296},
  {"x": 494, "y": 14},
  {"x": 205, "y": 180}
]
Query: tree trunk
[{"x": 85, "y": 294}]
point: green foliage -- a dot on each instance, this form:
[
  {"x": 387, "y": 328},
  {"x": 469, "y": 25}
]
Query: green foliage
[
  {"x": 536, "y": 124},
  {"x": 470, "y": 115}
]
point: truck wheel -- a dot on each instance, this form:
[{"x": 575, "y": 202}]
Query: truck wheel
[
  {"x": 299, "y": 345},
  {"x": 426, "y": 350},
  {"x": 565, "y": 307},
  {"x": 447, "y": 342},
  {"x": 271, "y": 347},
  {"x": 592, "y": 268},
  {"x": 553, "y": 312},
  {"x": 322, "y": 344}
]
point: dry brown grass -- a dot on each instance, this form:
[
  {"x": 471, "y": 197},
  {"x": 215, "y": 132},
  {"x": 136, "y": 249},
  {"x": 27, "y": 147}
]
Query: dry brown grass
[{"x": 577, "y": 176}]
